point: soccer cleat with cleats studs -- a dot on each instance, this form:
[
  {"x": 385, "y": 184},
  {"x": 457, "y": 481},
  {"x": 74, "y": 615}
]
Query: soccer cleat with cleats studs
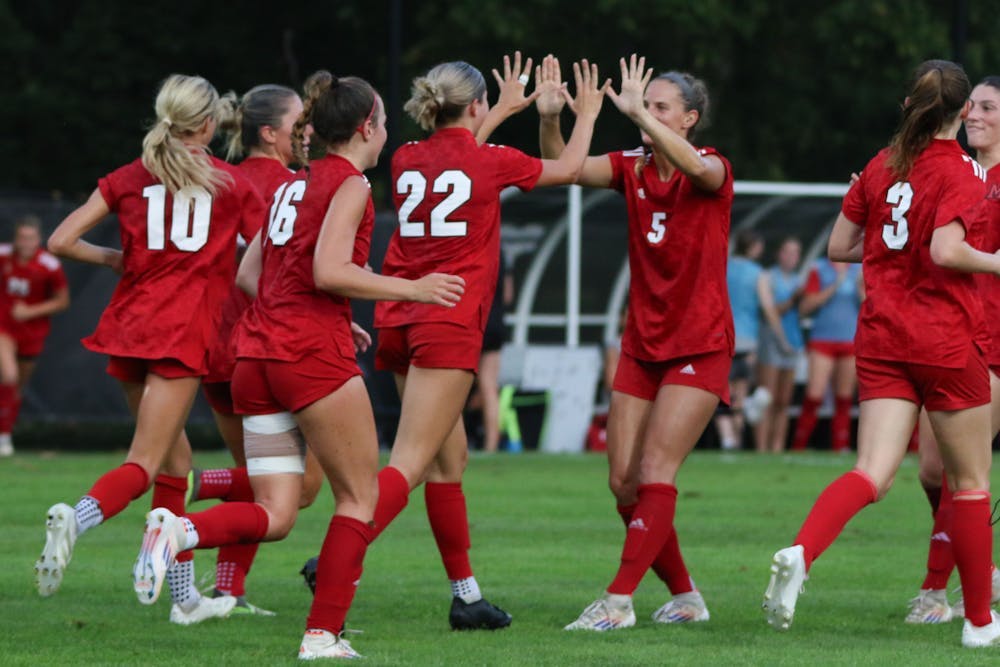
[
  {"x": 683, "y": 608},
  {"x": 60, "y": 537},
  {"x": 611, "y": 612},
  {"x": 318, "y": 644},
  {"x": 982, "y": 637},
  {"x": 478, "y": 615},
  {"x": 930, "y": 606},
  {"x": 788, "y": 574},
  {"x": 156, "y": 555},
  {"x": 205, "y": 609}
]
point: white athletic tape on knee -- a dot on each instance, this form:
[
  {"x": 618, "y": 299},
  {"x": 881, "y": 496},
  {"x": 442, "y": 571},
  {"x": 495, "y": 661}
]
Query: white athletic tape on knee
[
  {"x": 279, "y": 422},
  {"x": 270, "y": 465}
]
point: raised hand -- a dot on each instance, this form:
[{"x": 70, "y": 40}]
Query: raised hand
[
  {"x": 549, "y": 87},
  {"x": 439, "y": 288},
  {"x": 635, "y": 76},
  {"x": 513, "y": 83},
  {"x": 589, "y": 96}
]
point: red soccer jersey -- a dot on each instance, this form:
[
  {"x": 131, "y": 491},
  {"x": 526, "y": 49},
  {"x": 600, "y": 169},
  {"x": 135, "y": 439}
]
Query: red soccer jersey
[
  {"x": 30, "y": 282},
  {"x": 447, "y": 192},
  {"x": 985, "y": 218},
  {"x": 678, "y": 243},
  {"x": 916, "y": 311},
  {"x": 266, "y": 174},
  {"x": 178, "y": 262},
  {"x": 290, "y": 317}
]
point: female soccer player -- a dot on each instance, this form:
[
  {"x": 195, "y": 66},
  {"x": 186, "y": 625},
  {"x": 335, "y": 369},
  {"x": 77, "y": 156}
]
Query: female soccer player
[
  {"x": 34, "y": 288},
  {"x": 779, "y": 291},
  {"x": 906, "y": 219},
  {"x": 179, "y": 210},
  {"x": 296, "y": 354},
  {"x": 447, "y": 190},
  {"x": 677, "y": 345},
  {"x": 832, "y": 297},
  {"x": 982, "y": 127}
]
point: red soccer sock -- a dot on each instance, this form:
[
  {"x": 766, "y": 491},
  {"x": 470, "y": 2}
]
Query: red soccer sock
[
  {"x": 648, "y": 530},
  {"x": 393, "y": 494},
  {"x": 338, "y": 572},
  {"x": 840, "y": 501},
  {"x": 940, "y": 558},
  {"x": 670, "y": 567},
  {"x": 230, "y": 523},
  {"x": 8, "y": 399},
  {"x": 450, "y": 524},
  {"x": 225, "y": 484},
  {"x": 840, "y": 427},
  {"x": 117, "y": 488},
  {"x": 168, "y": 492},
  {"x": 972, "y": 544},
  {"x": 806, "y": 423},
  {"x": 232, "y": 566}
]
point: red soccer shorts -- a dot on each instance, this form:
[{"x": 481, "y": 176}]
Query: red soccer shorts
[
  {"x": 836, "y": 350},
  {"x": 219, "y": 396},
  {"x": 934, "y": 387},
  {"x": 428, "y": 345},
  {"x": 266, "y": 386},
  {"x": 135, "y": 370},
  {"x": 643, "y": 379}
]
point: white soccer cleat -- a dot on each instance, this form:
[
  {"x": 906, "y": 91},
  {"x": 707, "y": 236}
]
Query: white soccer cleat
[
  {"x": 683, "y": 608},
  {"x": 156, "y": 555},
  {"x": 206, "y": 608},
  {"x": 325, "y": 644},
  {"x": 611, "y": 612},
  {"x": 788, "y": 574},
  {"x": 958, "y": 609},
  {"x": 755, "y": 404},
  {"x": 60, "y": 536},
  {"x": 930, "y": 606},
  {"x": 6, "y": 445},
  {"x": 988, "y": 635}
]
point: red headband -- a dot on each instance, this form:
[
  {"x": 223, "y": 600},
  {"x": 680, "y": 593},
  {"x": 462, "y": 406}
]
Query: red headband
[{"x": 361, "y": 128}]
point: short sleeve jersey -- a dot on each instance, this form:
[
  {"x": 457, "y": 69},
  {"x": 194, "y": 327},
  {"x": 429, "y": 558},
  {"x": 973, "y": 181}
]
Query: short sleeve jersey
[
  {"x": 741, "y": 282},
  {"x": 783, "y": 287},
  {"x": 266, "y": 174},
  {"x": 984, "y": 217},
  {"x": 30, "y": 282},
  {"x": 290, "y": 318},
  {"x": 178, "y": 260},
  {"x": 836, "y": 321},
  {"x": 447, "y": 192},
  {"x": 678, "y": 242},
  {"x": 916, "y": 311}
]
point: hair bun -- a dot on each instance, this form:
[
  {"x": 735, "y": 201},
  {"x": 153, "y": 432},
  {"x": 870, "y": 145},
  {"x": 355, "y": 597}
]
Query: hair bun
[{"x": 318, "y": 83}]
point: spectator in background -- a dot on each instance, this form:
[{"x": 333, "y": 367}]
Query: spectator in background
[
  {"x": 833, "y": 295},
  {"x": 743, "y": 273},
  {"x": 34, "y": 289},
  {"x": 779, "y": 290}
]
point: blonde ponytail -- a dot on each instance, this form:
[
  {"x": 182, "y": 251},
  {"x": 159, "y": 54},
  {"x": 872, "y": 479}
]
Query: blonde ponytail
[{"x": 441, "y": 95}]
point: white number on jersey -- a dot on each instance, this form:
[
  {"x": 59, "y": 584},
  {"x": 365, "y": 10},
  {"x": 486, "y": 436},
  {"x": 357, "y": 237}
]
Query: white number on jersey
[
  {"x": 18, "y": 286},
  {"x": 281, "y": 221},
  {"x": 189, "y": 219},
  {"x": 414, "y": 186},
  {"x": 897, "y": 233},
  {"x": 657, "y": 230}
]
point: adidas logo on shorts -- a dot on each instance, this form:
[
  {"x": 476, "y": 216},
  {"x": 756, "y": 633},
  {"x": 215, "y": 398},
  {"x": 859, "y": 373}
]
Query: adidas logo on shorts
[{"x": 688, "y": 370}]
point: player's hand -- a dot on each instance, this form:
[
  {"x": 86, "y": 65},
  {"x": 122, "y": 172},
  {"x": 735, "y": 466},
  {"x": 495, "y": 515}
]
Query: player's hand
[
  {"x": 635, "y": 76},
  {"x": 439, "y": 288},
  {"x": 589, "y": 92},
  {"x": 20, "y": 311},
  {"x": 513, "y": 83},
  {"x": 362, "y": 339},
  {"x": 550, "y": 87},
  {"x": 114, "y": 259}
]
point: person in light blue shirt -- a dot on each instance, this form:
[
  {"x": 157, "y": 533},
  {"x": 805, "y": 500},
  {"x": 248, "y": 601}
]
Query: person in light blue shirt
[{"x": 780, "y": 343}]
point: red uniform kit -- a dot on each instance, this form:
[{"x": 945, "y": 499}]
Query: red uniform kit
[
  {"x": 178, "y": 268},
  {"x": 294, "y": 343},
  {"x": 447, "y": 192},
  {"x": 679, "y": 328},
  {"x": 921, "y": 332},
  {"x": 985, "y": 218},
  {"x": 32, "y": 282},
  {"x": 266, "y": 174}
]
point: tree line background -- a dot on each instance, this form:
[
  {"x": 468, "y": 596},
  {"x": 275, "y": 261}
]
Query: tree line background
[{"x": 800, "y": 90}]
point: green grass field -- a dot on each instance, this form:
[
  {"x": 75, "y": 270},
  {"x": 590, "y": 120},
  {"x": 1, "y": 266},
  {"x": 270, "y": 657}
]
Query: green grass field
[{"x": 546, "y": 540}]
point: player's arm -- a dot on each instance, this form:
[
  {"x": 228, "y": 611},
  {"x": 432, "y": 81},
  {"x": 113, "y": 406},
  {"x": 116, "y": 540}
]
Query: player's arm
[
  {"x": 847, "y": 241},
  {"x": 770, "y": 310},
  {"x": 950, "y": 250},
  {"x": 58, "y": 302},
  {"x": 66, "y": 240},
  {"x": 248, "y": 274},
  {"x": 334, "y": 270}
]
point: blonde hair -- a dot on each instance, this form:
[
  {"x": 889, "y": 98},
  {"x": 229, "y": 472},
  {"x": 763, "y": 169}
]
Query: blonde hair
[
  {"x": 261, "y": 106},
  {"x": 183, "y": 104},
  {"x": 441, "y": 95},
  {"x": 336, "y": 107}
]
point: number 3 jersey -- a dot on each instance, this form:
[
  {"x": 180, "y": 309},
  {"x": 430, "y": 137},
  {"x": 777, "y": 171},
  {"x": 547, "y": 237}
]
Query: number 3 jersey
[
  {"x": 447, "y": 192},
  {"x": 178, "y": 261},
  {"x": 678, "y": 244},
  {"x": 914, "y": 310},
  {"x": 290, "y": 317}
]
